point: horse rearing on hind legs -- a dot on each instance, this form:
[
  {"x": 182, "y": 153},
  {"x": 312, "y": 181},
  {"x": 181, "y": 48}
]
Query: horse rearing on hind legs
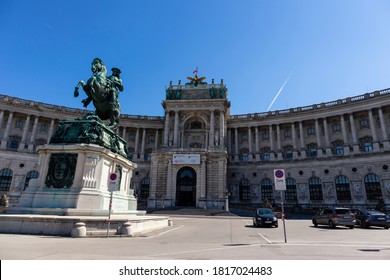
[{"x": 103, "y": 91}]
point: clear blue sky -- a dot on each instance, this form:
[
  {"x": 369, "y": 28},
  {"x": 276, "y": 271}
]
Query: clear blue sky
[{"x": 328, "y": 49}]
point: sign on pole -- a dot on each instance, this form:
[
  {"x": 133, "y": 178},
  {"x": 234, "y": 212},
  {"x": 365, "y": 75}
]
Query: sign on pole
[
  {"x": 280, "y": 185},
  {"x": 280, "y": 180},
  {"x": 113, "y": 184}
]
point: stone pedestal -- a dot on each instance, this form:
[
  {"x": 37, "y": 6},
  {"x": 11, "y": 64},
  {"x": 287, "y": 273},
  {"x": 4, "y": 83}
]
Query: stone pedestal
[{"x": 77, "y": 182}]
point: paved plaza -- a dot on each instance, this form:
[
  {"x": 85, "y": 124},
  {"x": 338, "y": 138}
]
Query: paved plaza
[{"x": 210, "y": 238}]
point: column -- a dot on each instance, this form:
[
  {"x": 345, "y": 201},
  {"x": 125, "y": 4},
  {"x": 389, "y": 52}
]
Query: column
[
  {"x": 156, "y": 139},
  {"x": 271, "y": 142},
  {"x": 136, "y": 144},
  {"x": 302, "y": 140},
  {"x": 169, "y": 190},
  {"x": 345, "y": 138},
  {"x": 229, "y": 141},
  {"x": 124, "y": 132},
  {"x": 294, "y": 140},
  {"x": 250, "y": 143},
  {"x": 51, "y": 130},
  {"x": 143, "y": 144},
  {"x": 166, "y": 129},
  {"x": 1, "y": 119},
  {"x": 236, "y": 152},
  {"x": 382, "y": 124},
  {"x": 7, "y": 131},
  {"x": 211, "y": 136},
  {"x": 221, "y": 129},
  {"x": 203, "y": 191},
  {"x": 176, "y": 130},
  {"x": 318, "y": 136},
  {"x": 327, "y": 141},
  {"x": 22, "y": 143},
  {"x": 279, "y": 142},
  {"x": 33, "y": 135},
  {"x": 257, "y": 147},
  {"x": 355, "y": 142},
  {"x": 375, "y": 143}
]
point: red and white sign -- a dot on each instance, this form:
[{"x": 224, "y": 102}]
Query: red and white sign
[{"x": 280, "y": 179}]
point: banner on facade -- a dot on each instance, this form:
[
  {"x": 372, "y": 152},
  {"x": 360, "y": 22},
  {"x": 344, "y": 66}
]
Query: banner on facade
[
  {"x": 280, "y": 180},
  {"x": 186, "y": 159}
]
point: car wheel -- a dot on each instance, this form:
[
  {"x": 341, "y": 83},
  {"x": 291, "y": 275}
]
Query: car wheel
[
  {"x": 315, "y": 223},
  {"x": 331, "y": 224},
  {"x": 276, "y": 225},
  {"x": 386, "y": 227},
  {"x": 351, "y": 227},
  {"x": 255, "y": 222},
  {"x": 364, "y": 225}
]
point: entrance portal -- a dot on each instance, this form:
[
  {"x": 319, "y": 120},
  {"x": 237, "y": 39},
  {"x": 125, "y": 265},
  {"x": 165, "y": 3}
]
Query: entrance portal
[{"x": 186, "y": 187}]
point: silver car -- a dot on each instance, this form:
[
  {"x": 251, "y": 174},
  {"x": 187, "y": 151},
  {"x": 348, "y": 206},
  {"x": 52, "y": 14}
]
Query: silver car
[{"x": 334, "y": 216}]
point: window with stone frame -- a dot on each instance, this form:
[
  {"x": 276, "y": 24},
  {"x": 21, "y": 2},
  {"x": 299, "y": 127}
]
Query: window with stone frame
[
  {"x": 291, "y": 190},
  {"x": 265, "y": 135},
  {"x": 265, "y": 153},
  {"x": 312, "y": 150},
  {"x": 288, "y": 152},
  {"x": 244, "y": 154},
  {"x": 363, "y": 123},
  {"x": 343, "y": 190},
  {"x": 244, "y": 190},
  {"x": 338, "y": 147},
  {"x": 5, "y": 179},
  {"x": 336, "y": 127},
  {"x": 148, "y": 154},
  {"x": 196, "y": 125},
  {"x": 366, "y": 144},
  {"x": 311, "y": 131},
  {"x": 315, "y": 189},
  {"x": 19, "y": 123},
  {"x": 151, "y": 138},
  {"x": 44, "y": 127},
  {"x": 287, "y": 134},
  {"x": 131, "y": 137},
  {"x": 373, "y": 187},
  {"x": 266, "y": 190},
  {"x": 244, "y": 137}
]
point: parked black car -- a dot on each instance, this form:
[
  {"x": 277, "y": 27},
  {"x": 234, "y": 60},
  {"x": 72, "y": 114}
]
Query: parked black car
[
  {"x": 367, "y": 218},
  {"x": 264, "y": 217}
]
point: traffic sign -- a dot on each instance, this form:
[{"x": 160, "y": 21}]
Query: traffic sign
[{"x": 280, "y": 180}]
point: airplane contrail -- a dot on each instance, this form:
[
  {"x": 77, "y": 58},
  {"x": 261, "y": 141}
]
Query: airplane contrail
[{"x": 280, "y": 90}]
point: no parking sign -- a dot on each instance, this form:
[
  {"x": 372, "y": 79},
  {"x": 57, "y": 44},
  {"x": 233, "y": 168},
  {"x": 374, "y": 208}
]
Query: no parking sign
[
  {"x": 113, "y": 184},
  {"x": 280, "y": 179}
]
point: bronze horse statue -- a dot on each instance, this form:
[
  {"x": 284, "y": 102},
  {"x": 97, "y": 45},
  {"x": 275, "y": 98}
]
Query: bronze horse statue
[{"x": 103, "y": 92}]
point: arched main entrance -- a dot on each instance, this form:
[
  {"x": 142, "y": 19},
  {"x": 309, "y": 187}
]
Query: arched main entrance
[{"x": 186, "y": 187}]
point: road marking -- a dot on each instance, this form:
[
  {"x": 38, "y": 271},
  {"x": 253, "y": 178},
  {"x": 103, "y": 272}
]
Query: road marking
[
  {"x": 265, "y": 238},
  {"x": 162, "y": 233}
]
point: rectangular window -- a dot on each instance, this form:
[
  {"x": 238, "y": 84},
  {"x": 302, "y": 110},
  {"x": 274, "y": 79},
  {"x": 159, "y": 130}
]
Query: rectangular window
[
  {"x": 336, "y": 127},
  {"x": 368, "y": 147},
  {"x": 244, "y": 137},
  {"x": 339, "y": 150},
  {"x": 245, "y": 157},
  {"x": 266, "y": 156},
  {"x": 310, "y": 131},
  {"x": 265, "y": 136},
  {"x": 363, "y": 123},
  {"x": 44, "y": 127},
  {"x": 14, "y": 144},
  {"x": 287, "y": 133},
  {"x": 19, "y": 123},
  {"x": 151, "y": 138}
]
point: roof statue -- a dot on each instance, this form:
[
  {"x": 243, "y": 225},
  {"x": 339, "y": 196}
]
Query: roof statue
[
  {"x": 103, "y": 91},
  {"x": 196, "y": 80}
]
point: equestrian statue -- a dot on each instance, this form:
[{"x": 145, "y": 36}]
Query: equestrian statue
[{"x": 103, "y": 91}]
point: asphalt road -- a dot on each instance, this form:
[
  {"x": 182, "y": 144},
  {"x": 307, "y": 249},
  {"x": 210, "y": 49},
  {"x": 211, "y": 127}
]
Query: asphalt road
[{"x": 210, "y": 238}]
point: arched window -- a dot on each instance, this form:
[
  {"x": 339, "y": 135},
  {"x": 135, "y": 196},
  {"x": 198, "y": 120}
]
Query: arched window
[
  {"x": 5, "y": 179},
  {"x": 266, "y": 190},
  {"x": 245, "y": 190},
  {"x": 30, "y": 175},
  {"x": 315, "y": 189},
  {"x": 373, "y": 187},
  {"x": 144, "y": 192},
  {"x": 291, "y": 190},
  {"x": 343, "y": 191}
]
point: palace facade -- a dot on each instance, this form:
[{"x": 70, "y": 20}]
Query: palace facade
[{"x": 197, "y": 154}]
